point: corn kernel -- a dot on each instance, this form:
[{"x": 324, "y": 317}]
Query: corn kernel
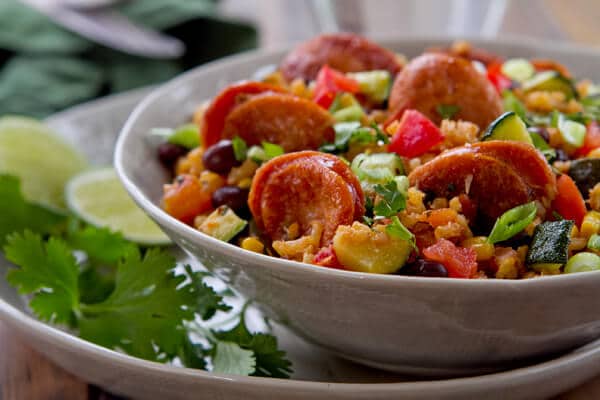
[
  {"x": 253, "y": 244},
  {"x": 455, "y": 204},
  {"x": 245, "y": 183},
  {"x": 595, "y": 197},
  {"x": 483, "y": 249},
  {"x": 590, "y": 224}
]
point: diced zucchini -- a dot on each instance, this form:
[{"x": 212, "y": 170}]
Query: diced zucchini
[
  {"x": 543, "y": 146},
  {"x": 508, "y": 126},
  {"x": 374, "y": 84},
  {"x": 586, "y": 173},
  {"x": 550, "y": 243},
  {"x": 377, "y": 167},
  {"x": 223, "y": 224},
  {"x": 518, "y": 69},
  {"x": 594, "y": 242},
  {"x": 352, "y": 113},
  {"x": 360, "y": 248},
  {"x": 583, "y": 262},
  {"x": 551, "y": 81}
]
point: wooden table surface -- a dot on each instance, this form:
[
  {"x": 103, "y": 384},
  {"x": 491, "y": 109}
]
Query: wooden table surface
[{"x": 25, "y": 374}]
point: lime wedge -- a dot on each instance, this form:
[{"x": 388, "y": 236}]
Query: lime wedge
[
  {"x": 43, "y": 161},
  {"x": 98, "y": 197}
]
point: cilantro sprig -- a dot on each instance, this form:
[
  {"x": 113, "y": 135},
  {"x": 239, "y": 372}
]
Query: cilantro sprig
[{"x": 121, "y": 296}]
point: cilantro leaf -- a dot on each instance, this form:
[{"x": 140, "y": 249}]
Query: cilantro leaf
[
  {"x": 192, "y": 354},
  {"x": 208, "y": 302},
  {"x": 447, "y": 111},
  {"x": 392, "y": 201},
  {"x": 17, "y": 214},
  {"x": 144, "y": 314},
  {"x": 101, "y": 245},
  {"x": 398, "y": 230},
  {"x": 230, "y": 358},
  {"x": 270, "y": 361},
  {"x": 379, "y": 134},
  {"x": 48, "y": 271},
  {"x": 347, "y": 133}
]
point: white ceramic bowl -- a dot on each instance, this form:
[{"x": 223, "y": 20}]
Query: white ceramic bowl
[{"x": 408, "y": 324}]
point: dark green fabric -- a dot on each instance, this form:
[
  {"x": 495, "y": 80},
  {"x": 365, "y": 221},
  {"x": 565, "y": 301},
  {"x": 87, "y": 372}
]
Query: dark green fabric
[{"x": 44, "y": 68}]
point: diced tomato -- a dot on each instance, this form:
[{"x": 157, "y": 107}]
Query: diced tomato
[
  {"x": 569, "y": 202},
  {"x": 330, "y": 82},
  {"x": 415, "y": 135},
  {"x": 498, "y": 79},
  {"x": 185, "y": 199},
  {"x": 460, "y": 262},
  {"x": 326, "y": 257},
  {"x": 223, "y": 104},
  {"x": 592, "y": 140}
]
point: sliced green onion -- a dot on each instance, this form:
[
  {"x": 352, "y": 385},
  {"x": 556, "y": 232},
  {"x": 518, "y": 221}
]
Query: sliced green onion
[
  {"x": 518, "y": 69},
  {"x": 512, "y": 222},
  {"x": 240, "y": 148},
  {"x": 187, "y": 135},
  {"x": 572, "y": 132},
  {"x": 257, "y": 154},
  {"x": 594, "y": 242},
  {"x": 583, "y": 262},
  {"x": 375, "y": 84},
  {"x": 272, "y": 150}
]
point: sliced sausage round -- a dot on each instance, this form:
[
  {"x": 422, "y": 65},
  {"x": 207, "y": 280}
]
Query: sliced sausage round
[
  {"x": 492, "y": 184},
  {"x": 291, "y": 122},
  {"x": 344, "y": 52},
  {"x": 213, "y": 119},
  {"x": 434, "y": 79}
]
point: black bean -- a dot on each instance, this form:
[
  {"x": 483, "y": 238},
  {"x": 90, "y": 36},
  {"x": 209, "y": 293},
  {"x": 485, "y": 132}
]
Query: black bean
[
  {"x": 220, "y": 157},
  {"x": 232, "y": 196},
  {"x": 424, "y": 268},
  {"x": 561, "y": 155},
  {"x": 169, "y": 153}
]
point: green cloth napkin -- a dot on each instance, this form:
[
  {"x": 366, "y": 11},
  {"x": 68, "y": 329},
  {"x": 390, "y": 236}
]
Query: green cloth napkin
[{"x": 45, "y": 68}]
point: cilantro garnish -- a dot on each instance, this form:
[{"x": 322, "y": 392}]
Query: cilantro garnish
[
  {"x": 347, "y": 133},
  {"x": 121, "y": 296},
  {"x": 391, "y": 200},
  {"x": 447, "y": 111},
  {"x": 398, "y": 230}
]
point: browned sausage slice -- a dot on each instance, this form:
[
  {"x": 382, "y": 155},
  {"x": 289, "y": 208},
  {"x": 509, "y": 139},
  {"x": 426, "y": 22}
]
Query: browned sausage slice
[
  {"x": 344, "y": 52},
  {"x": 529, "y": 164},
  {"x": 292, "y": 122},
  {"x": 492, "y": 184},
  {"x": 431, "y": 80}
]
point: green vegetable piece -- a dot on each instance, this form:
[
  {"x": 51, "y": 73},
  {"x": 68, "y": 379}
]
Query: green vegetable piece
[
  {"x": 377, "y": 167},
  {"x": 144, "y": 314},
  {"x": 223, "y": 224},
  {"x": 398, "y": 230},
  {"x": 583, "y": 262},
  {"x": 208, "y": 302},
  {"x": 447, "y": 111},
  {"x": 508, "y": 126},
  {"x": 512, "y": 103},
  {"x": 392, "y": 200},
  {"x": 49, "y": 272},
  {"x": 550, "y": 81},
  {"x": 240, "y": 149},
  {"x": 101, "y": 245},
  {"x": 257, "y": 154},
  {"x": 586, "y": 173},
  {"x": 351, "y": 113},
  {"x": 187, "y": 136},
  {"x": 550, "y": 243},
  {"x": 594, "y": 242},
  {"x": 518, "y": 69},
  {"x": 272, "y": 150},
  {"x": 230, "y": 358},
  {"x": 543, "y": 146},
  {"x": 17, "y": 215},
  {"x": 512, "y": 222},
  {"x": 375, "y": 84},
  {"x": 572, "y": 132}
]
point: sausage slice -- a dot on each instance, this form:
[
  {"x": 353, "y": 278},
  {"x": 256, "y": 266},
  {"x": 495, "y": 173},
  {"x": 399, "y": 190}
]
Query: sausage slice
[
  {"x": 435, "y": 79},
  {"x": 292, "y": 122},
  {"x": 344, "y": 52}
]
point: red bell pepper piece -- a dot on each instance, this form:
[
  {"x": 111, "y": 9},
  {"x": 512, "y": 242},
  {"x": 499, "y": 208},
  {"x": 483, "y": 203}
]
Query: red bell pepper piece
[
  {"x": 216, "y": 113},
  {"x": 415, "y": 135},
  {"x": 326, "y": 257},
  {"x": 460, "y": 262},
  {"x": 569, "y": 202},
  {"x": 329, "y": 83},
  {"x": 591, "y": 141},
  {"x": 498, "y": 79}
]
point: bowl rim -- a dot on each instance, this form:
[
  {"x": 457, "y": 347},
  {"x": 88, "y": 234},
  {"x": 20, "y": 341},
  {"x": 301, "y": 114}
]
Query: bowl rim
[{"x": 317, "y": 272}]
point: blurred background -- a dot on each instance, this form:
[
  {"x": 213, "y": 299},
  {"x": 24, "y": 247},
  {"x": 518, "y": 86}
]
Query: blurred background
[{"x": 58, "y": 53}]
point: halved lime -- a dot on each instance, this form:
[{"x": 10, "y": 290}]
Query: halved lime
[
  {"x": 42, "y": 160},
  {"x": 98, "y": 197}
]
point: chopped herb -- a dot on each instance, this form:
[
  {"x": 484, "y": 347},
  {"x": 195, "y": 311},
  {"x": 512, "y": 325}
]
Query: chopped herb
[
  {"x": 240, "y": 148},
  {"x": 367, "y": 220},
  {"x": 512, "y": 222},
  {"x": 447, "y": 111},
  {"x": 379, "y": 134},
  {"x": 398, "y": 230},
  {"x": 272, "y": 150},
  {"x": 347, "y": 133},
  {"x": 391, "y": 201}
]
